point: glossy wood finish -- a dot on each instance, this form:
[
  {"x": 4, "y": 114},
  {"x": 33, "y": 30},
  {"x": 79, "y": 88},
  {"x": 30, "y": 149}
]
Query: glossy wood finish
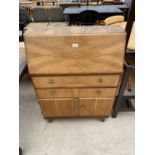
[
  {"x": 76, "y": 107},
  {"x": 76, "y": 81},
  {"x": 82, "y": 53},
  {"x": 82, "y": 92}
]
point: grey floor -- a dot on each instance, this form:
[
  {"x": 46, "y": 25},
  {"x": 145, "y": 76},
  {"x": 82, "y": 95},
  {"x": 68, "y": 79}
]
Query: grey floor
[{"x": 71, "y": 136}]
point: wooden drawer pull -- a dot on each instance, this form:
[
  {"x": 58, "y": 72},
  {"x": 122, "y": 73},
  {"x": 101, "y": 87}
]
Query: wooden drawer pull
[
  {"x": 83, "y": 107},
  {"x": 100, "y": 80},
  {"x": 51, "y": 81}
]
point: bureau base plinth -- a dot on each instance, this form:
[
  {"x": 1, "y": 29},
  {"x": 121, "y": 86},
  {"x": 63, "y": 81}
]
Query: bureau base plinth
[{"x": 51, "y": 119}]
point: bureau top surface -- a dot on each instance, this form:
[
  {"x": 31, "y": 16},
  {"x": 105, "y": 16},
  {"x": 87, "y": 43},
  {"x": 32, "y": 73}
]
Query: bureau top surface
[{"x": 56, "y": 30}]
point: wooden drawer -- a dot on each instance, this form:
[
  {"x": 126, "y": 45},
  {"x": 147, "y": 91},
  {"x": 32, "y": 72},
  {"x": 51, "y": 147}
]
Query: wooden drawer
[
  {"x": 76, "y": 107},
  {"x": 81, "y": 92},
  {"x": 76, "y": 81}
]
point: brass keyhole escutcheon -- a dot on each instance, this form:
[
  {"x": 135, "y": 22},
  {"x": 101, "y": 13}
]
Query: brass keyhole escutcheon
[
  {"x": 83, "y": 107},
  {"x": 98, "y": 92},
  {"x": 51, "y": 81},
  {"x": 100, "y": 80},
  {"x": 69, "y": 107}
]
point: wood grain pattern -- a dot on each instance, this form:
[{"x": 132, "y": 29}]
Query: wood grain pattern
[
  {"x": 76, "y": 81},
  {"x": 79, "y": 107},
  {"x": 75, "y": 70},
  {"x": 52, "y": 52},
  {"x": 96, "y": 107},
  {"x": 82, "y": 92},
  {"x": 57, "y": 107}
]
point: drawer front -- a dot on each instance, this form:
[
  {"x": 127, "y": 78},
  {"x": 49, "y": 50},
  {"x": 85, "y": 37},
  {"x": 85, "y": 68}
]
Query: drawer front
[
  {"x": 76, "y": 107},
  {"x": 57, "y": 107},
  {"x": 81, "y": 92},
  {"x": 76, "y": 81},
  {"x": 96, "y": 107}
]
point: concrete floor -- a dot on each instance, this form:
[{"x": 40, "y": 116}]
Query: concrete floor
[{"x": 71, "y": 136}]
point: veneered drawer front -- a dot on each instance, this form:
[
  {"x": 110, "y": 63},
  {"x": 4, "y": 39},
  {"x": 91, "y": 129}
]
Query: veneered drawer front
[
  {"x": 81, "y": 92},
  {"x": 76, "y": 81},
  {"x": 95, "y": 106},
  {"x": 57, "y": 107}
]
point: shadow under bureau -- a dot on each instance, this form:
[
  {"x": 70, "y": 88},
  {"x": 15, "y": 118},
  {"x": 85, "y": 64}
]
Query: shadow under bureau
[{"x": 75, "y": 70}]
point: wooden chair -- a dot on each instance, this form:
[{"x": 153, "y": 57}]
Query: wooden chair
[{"x": 111, "y": 20}]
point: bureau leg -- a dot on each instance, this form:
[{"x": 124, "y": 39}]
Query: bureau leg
[
  {"x": 49, "y": 120},
  {"x": 102, "y": 119}
]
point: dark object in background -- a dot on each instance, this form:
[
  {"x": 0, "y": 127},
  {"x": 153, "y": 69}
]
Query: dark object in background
[
  {"x": 24, "y": 19},
  {"x": 20, "y": 151},
  {"x": 127, "y": 68},
  {"x": 88, "y": 17}
]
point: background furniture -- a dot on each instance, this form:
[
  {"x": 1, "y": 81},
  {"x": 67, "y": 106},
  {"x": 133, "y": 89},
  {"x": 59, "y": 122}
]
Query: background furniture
[
  {"x": 22, "y": 60},
  {"x": 23, "y": 21},
  {"x": 66, "y": 5},
  {"x": 103, "y": 11},
  {"x": 56, "y": 15},
  {"x": 113, "y": 19},
  {"x": 88, "y": 17},
  {"x": 55, "y": 2},
  {"x": 72, "y": 75},
  {"x": 127, "y": 69},
  {"x": 39, "y": 15},
  {"x": 23, "y": 18}
]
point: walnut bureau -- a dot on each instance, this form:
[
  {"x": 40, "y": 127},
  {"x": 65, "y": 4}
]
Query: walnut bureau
[{"x": 75, "y": 70}]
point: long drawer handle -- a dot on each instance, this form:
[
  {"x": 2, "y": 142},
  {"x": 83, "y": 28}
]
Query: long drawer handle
[
  {"x": 83, "y": 107},
  {"x": 51, "y": 81}
]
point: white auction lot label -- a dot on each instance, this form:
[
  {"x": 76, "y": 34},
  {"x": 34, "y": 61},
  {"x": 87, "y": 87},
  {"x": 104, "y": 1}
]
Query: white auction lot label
[{"x": 75, "y": 45}]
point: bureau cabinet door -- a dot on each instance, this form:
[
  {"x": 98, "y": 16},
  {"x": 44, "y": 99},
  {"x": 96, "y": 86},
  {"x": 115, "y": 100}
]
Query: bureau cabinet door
[
  {"x": 96, "y": 107},
  {"x": 57, "y": 107}
]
